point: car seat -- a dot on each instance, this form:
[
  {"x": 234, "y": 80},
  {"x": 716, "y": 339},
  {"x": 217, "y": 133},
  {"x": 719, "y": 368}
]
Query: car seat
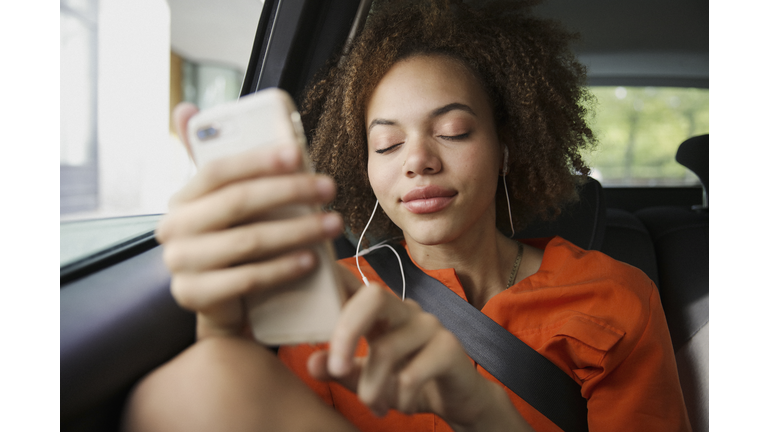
[
  {"x": 628, "y": 240},
  {"x": 681, "y": 241},
  {"x": 582, "y": 222}
]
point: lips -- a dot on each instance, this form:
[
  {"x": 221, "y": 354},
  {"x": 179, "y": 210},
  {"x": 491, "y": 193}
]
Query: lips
[{"x": 428, "y": 199}]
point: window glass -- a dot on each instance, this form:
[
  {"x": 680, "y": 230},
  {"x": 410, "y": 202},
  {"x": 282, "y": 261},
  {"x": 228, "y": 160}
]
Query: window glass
[
  {"x": 124, "y": 66},
  {"x": 77, "y": 134},
  {"x": 639, "y": 130}
]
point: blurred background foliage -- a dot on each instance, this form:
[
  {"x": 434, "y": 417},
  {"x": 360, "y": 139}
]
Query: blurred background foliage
[{"x": 639, "y": 130}]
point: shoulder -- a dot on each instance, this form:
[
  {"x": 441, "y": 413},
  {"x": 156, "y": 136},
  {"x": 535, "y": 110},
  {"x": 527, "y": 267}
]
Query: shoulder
[
  {"x": 591, "y": 285},
  {"x": 598, "y": 307},
  {"x": 566, "y": 263}
]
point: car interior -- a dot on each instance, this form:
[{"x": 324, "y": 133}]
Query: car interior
[{"x": 118, "y": 320}]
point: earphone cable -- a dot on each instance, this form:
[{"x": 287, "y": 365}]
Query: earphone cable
[
  {"x": 509, "y": 208},
  {"x": 358, "y": 252},
  {"x": 359, "y": 241}
]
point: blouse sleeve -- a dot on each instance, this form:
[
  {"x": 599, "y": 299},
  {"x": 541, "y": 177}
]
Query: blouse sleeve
[
  {"x": 642, "y": 390},
  {"x": 295, "y": 358}
]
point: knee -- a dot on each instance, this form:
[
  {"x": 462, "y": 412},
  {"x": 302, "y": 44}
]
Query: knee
[{"x": 216, "y": 384}]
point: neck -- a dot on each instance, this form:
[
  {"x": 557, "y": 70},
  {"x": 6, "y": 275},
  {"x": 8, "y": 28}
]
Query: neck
[{"x": 482, "y": 260}]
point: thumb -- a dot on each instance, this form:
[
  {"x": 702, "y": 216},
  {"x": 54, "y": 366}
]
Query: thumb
[
  {"x": 317, "y": 366},
  {"x": 181, "y": 115}
]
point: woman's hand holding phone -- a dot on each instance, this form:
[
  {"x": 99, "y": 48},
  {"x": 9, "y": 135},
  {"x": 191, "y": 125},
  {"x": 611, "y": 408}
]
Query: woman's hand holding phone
[
  {"x": 220, "y": 248},
  {"x": 217, "y": 244}
]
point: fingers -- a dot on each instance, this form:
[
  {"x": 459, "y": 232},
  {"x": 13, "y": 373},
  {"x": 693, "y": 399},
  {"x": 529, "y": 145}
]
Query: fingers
[
  {"x": 370, "y": 312},
  {"x": 396, "y": 332},
  {"x": 378, "y": 385},
  {"x": 243, "y": 202},
  {"x": 440, "y": 357},
  {"x": 249, "y": 243},
  {"x": 204, "y": 291},
  {"x": 243, "y": 224},
  {"x": 317, "y": 366},
  {"x": 254, "y": 163},
  {"x": 413, "y": 364}
]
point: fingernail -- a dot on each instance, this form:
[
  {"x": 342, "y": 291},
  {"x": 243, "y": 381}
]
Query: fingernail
[
  {"x": 336, "y": 365},
  {"x": 331, "y": 223},
  {"x": 325, "y": 187},
  {"x": 306, "y": 260},
  {"x": 288, "y": 157}
]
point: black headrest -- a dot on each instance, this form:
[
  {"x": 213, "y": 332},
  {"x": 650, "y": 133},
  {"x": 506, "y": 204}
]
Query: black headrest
[
  {"x": 581, "y": 223},
  {"x": 693, "y": 154}
]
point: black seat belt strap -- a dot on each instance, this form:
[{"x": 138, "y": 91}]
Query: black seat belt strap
[{"x": 522, "y": 369}]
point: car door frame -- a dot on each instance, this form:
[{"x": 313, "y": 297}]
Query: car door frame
[{"x": 118, "y": 320}]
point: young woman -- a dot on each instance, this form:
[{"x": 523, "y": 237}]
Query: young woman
[{"x": 434, "y": 107}]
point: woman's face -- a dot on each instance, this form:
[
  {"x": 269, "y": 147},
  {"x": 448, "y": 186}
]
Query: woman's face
[{"x": 433, "y": 152}]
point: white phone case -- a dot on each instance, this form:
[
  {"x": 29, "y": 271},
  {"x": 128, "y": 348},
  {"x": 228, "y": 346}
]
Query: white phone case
[{"x": 305, "y": 310}]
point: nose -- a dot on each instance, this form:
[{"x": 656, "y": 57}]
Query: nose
[{"x": 421, "y": 157}]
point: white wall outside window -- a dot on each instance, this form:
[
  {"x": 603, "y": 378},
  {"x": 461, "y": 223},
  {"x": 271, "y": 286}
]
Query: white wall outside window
[
  {"x": 117, "y": 154},
  {"x": 140, "y": 165}
]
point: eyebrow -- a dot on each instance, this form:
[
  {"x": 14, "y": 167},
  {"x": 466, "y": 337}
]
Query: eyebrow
[
  {"x": 451, "y": 107},
  {"x": 435, "y": 113},
  {"x": 376, "y": 122}
]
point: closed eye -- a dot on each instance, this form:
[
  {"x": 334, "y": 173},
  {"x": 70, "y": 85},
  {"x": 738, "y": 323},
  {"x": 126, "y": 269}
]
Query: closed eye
[
  {"x": 384, "y": 150},
  {"x": 454, "y": 137}
]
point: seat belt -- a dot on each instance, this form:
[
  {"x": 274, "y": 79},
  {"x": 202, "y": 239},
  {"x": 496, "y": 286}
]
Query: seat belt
[{"x": 522, "y": 369}]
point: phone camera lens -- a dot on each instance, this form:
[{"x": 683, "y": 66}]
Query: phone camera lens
[{"x": 207, "y": 132}]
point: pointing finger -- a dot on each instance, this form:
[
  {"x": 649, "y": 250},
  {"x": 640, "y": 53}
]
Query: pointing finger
[{"x": 372, "y": 311}]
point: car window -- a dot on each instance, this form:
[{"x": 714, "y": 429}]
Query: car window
[
  {"x": 639, "y": 130},
  {"x": 124, "y": 66}
]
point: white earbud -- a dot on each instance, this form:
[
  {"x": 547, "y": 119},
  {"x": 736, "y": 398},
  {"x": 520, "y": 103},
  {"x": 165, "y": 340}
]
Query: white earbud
[{"x": 505, "y": 168}]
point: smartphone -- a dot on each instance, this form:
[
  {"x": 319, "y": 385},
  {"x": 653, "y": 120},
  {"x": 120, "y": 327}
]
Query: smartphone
[{"x": 304, "y": 310}]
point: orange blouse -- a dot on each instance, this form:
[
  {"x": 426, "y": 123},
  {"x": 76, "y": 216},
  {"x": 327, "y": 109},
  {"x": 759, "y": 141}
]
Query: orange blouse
[{"x": 598, "y": 319}]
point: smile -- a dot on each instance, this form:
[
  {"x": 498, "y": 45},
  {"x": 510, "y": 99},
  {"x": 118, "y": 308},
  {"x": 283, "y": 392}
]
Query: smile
[{"x": 429, "y": 199}]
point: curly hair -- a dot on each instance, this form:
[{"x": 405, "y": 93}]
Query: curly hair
[{"x": 535, "y": 85}]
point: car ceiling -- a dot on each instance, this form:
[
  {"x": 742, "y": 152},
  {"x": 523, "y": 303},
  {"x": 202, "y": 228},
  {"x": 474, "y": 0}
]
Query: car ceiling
[
  {"x": 652, "y": 41},
  {"x": 214, "y": 31},
  {"x": 647, "y": 42},
  {"x": 649, "y": 25}
]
